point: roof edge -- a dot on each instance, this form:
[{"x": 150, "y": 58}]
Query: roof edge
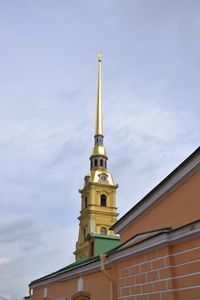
[
  {"x": 160, "y": 240},
  {"x": 59, "y": 273},
  {"x": 185, "y": 169}
]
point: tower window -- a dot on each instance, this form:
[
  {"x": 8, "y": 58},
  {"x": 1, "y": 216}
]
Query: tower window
[
  {"x": 103, "y": 231},
  {"x": 95, "y": 162},
  {"x": 103, "y": 200},
  {"x": 86, "y": 201},
  {"x": 101, "y": 162}
]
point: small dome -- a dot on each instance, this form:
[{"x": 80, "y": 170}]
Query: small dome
[{"x": 95, "y": 176}]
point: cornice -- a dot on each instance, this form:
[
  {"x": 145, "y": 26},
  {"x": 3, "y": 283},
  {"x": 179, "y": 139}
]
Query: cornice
[
  {"x": 96, "y": 184},
  {"x": 94, "y": 212},
  {"x": 160, "y": 240}
]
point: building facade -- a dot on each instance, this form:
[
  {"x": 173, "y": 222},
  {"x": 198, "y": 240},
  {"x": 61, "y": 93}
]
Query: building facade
[{"x": 158, "y": 256}]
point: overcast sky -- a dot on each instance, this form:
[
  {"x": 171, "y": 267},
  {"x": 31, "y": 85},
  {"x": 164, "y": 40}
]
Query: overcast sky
[{"x": 48, "y": 81}]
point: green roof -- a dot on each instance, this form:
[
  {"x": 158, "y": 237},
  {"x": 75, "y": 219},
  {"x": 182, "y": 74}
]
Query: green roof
[
  {"x": 69, "y": 267},
  {"x": 102, "y": 244}
]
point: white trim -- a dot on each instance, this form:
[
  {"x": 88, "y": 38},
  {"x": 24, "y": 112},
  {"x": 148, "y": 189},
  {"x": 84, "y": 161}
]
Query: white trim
[
  {"x": 80, "y": 284},
  {"x": 45, "y": 292},
  {"x": 187, "y": 170},
  {"x": 155, "y": 281},
  {"x": 185, "y": 251},
  {"x": 158, "y": 269},
  {"x": 161, "y": 240},
  {"x": 163, "y": 291}
]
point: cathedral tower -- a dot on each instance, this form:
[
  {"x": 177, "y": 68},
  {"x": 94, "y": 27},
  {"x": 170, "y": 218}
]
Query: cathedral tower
[{"x": 98, "y": 195}]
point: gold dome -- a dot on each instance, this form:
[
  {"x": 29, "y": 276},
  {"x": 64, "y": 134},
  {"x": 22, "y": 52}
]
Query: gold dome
[{"x": 95, "y": 176}]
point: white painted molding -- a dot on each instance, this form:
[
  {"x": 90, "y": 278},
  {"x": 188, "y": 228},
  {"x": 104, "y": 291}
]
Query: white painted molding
[
  {"x": 176, "y": 236},
  {"x": 80, "y": 284},
  {"x": 45, "y": 292}
]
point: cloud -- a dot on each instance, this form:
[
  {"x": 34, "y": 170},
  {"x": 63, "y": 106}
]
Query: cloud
[
  {"x": 25, "y": 232},
  {"x": 4, "y": 260},
  {"x": 6, "y": 297}
]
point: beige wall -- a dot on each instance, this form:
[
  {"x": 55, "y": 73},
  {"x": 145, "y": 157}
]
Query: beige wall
[
  {"x": 171, "y": 273},
  {"x": 96, "y": 284},
  {"x": 57, "y": 290},
  {"x": 180, "y": 207}
]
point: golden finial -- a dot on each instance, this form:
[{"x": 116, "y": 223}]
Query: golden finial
[{"x": 100, "y": 55}]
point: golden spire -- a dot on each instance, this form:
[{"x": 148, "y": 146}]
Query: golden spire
[
  {"x": 98, "y": 149},
  {"x": 99, "y": 119}
]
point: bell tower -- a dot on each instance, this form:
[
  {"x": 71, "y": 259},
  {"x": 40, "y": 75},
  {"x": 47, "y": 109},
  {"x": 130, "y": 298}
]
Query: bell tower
[{"x": 98, "y": 195}]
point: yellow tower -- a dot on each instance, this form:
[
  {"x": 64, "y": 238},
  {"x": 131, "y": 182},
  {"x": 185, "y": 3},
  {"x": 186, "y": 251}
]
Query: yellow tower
[{"x": 98, "y": 195}]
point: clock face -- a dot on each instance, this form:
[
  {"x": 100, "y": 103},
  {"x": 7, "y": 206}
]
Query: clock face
[{"x": 103, "y": 178}]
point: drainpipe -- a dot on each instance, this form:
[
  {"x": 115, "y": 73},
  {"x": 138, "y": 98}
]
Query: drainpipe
[
  {"x": 30, "y": 291},
  {"x": 103, "y": 259}
]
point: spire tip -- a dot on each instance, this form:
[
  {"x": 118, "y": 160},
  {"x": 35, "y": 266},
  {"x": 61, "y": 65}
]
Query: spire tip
[{"x": 100, "y": 55}]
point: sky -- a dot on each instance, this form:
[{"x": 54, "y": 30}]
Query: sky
[{"x": 48, "y": 82}]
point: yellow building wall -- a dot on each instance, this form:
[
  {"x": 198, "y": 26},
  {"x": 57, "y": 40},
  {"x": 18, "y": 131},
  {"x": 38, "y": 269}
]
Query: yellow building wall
[{"x": 94, "y": 216}]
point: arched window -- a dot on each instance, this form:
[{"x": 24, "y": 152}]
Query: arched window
[
  {"x": 86, "y": 201},
  {"x": 101, "y": 162},
  {"x": 95, "y": 162},
  {"x": 103, "y": 231},
  {"x": 103, "y": 200}
]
